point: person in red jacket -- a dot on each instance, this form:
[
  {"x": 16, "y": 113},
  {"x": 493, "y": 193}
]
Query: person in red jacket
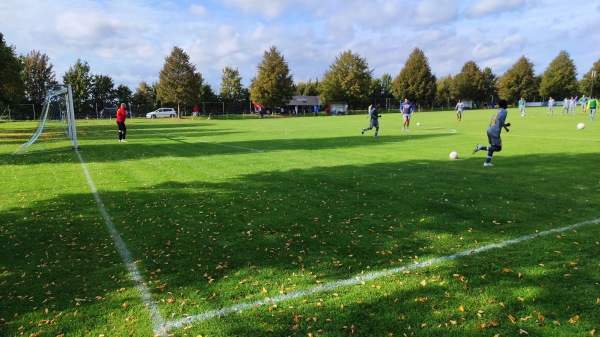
[{"x": 121, "y": 117}]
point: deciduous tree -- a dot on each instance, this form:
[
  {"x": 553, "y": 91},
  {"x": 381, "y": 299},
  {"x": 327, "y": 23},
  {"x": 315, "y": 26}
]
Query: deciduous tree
[
  {"x": 80, "y": 79},
  {"x": 469, "y": 83},
  {"x": 559, "y": 80},
  {"x": 273, "y": 85},
  {"x": 348, "y": 80},
  {"x": 590, "y": 83},
  {"x": 38, "y": 76},
  {"x": 12, "y": 86},
  {"x": 232, "y": 91},
  {"x": 518, "y": 81}
]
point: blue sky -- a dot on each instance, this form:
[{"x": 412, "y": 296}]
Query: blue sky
[{"x": 128, "y": 40}]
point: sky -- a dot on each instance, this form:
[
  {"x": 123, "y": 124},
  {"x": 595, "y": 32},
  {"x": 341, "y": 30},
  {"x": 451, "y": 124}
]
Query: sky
[{"x": 129, "y": 40}]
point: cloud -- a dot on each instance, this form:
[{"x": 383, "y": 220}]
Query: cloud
[{"x": 483, "y": 8}]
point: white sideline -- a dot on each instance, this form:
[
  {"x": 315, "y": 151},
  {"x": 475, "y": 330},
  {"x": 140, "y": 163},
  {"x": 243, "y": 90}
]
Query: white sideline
[
  {"x": 367, "y": 277},
  {"x": 157, "y": 320}
]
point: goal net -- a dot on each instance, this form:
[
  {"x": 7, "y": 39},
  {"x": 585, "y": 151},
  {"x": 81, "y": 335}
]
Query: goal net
[{"x": 56, "y": 127}]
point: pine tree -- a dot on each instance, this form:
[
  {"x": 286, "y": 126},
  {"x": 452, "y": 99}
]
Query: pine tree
[
  {"x": 179, "y": 84},
  {"x": 559, "y": 79},
  {"x": 415, "y": 81},
  {"x": 273, "y": 86},
  {"x": 347, "y": 80}
]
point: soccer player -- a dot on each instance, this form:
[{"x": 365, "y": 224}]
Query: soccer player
[
  {"x": 493, "y": 132},
  {"x": 459, "y": 109},
  {"x": 373, "y": 113},
  {"x": 550, "y": 106},
  {"x": 583, "y": 101},
  {"x": 592, "y": 106},
  {"x": 565, "y": 106},
  {"x": 121, "y": 117},
  {"x": 407, "y": 109},
  {"x": 572, "y": 106},
  {"x": 522, "y": 106}
]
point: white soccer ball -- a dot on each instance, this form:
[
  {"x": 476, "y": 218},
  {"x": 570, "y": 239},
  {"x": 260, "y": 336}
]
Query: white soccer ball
[
  {"x": 580, "y": 126},
  {"x": 453, "y": 155},
  {"x": 418, "y": 124}
]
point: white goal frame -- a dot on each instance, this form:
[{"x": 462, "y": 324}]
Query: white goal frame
[{"x": 68, "y": 117}]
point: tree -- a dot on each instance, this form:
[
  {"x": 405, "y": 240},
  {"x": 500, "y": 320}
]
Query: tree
[
  {"x": 559, "y": 80},
  {"x": 123, "y": 95},
  {"x": 273, "y": 85},
  {"x": 80, "y": 79},
  {"x": 232, "y": 91},
  {"x": 443, "y": 93},
  {"x": 38, "y": 75},
  {"x": 415, "y": 81},
  {"x": 309, "y": 88},
  {"x": 347, "y": 80},
  {"x": 381, "y": 87},
  {"x": 144, "y": 99},
  {"x": 590, "y": 85},
  {"x": 103, "y": 92},
  {"x": 490, "y": 82},
  {"x": 469, "y": 83},
  {"x": 12, "y": 86},
  {"x": 518, "y": 81},
  {"x": 178, "y": 81}
]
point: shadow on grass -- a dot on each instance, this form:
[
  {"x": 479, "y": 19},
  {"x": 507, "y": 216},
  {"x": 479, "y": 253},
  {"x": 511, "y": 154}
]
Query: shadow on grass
[{"x": 214, "y": 245}]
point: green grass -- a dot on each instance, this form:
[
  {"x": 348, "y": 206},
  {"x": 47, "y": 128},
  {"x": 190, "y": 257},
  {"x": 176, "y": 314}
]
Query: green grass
[{"x": 220, "y": 213}]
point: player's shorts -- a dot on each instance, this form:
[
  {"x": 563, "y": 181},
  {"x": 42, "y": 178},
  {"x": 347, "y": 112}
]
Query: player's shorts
[
  {"x": 374, "y": 122},
  {"x": 407, "y": 117}
]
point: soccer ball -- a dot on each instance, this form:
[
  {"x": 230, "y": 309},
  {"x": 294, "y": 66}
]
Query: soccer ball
[
  {"x": 453, "y": 155},
  {"x": 418, "y": 124},
  {"x": 580, "y": 126}
]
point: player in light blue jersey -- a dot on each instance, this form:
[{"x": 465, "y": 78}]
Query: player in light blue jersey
[{"x": 496, "y": 125}]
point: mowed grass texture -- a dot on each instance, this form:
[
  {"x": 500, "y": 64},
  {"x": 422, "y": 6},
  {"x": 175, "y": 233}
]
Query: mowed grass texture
[{"x": 332, "y": 232}]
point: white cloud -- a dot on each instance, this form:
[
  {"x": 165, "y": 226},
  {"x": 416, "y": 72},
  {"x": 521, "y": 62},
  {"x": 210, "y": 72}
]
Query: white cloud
[{"x": 482, "y": 8}]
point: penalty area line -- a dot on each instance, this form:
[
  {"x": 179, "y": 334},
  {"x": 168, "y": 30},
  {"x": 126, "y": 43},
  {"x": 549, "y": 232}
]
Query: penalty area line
[
  {"x": 157, "y": 321},
  {"x": 366, "y": 277}
]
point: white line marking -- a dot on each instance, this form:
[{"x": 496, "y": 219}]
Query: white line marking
[
  {"x": 367, "y": 277},
  {"x": 235, "y": 147},
  {"x": 157, "y": 320}
]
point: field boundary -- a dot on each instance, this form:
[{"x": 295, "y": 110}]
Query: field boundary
[{"x": 161, "y": 327}]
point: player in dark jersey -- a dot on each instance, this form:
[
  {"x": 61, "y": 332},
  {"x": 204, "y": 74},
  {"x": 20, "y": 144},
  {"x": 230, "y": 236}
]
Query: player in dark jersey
[{"x": 496, "y": 125}]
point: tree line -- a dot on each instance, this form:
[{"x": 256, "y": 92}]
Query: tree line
[{"x": 25, "y": 79}]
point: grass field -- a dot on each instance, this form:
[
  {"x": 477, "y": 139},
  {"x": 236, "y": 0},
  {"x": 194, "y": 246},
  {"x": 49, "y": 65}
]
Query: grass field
[{"x": 303, "y": 227}]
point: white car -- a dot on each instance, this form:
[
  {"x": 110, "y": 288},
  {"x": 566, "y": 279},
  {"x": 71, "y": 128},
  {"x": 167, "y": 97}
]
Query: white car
[{"x": 162, "y": 112}]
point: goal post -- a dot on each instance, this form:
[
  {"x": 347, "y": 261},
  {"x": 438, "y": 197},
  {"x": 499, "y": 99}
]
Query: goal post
[{"x": 56, "y": 123}]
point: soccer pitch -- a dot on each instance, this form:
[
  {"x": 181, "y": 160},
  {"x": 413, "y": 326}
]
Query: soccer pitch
[{"x": 303, "y": 227}]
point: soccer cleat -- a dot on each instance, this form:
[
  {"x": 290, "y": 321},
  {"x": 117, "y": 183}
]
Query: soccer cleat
[
  {"x": 407, "y": 129},
  {"x": 362, "y": 132},
  {"x": 488, "y": 164},
  {"x": 477, "y": 148}
]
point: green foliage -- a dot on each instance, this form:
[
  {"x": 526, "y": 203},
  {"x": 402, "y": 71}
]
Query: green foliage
[
  {"x": 469, "y": 83},
  {"x": 80, "y": 78},
  {"x": 381, "y": 87},
  {"x": 309, "y": 88},
  {"x": 12, "y": 85},
  {"x": 179, "y": 84},
  {"x": 348, "y": 80},
  {"x": 103, "y": 92},
  {"x": 559, "y": 80},
  {"x": 232, "y": 91},
  {"x": 144, "y": 99},
  {"x": 443, "y": 95},
  {"x": 273, "y": 85},
  {"x": 490, "y": 82},
  {"x": 38, "y": 75},
  {"x": 415, "y": 81},
  {"x": 123, "y": 95},
  {"x": 588, "y": 85},
  {"x": 518, "y": 81}
]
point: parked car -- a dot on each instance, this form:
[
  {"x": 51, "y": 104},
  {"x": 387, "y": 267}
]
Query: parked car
[
  {"x": 112, "y": 113},
  {"x": 162, "y": 112}
]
